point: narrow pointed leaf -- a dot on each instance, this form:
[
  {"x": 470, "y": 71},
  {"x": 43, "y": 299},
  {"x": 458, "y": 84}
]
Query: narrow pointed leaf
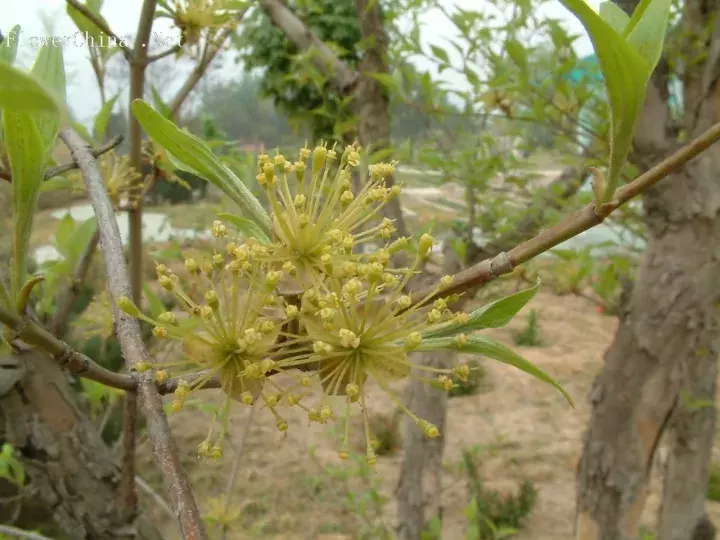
[
  {"x": 497, "y": 351},
  {"x": 626, "y": 74},
  {"x": 493, "y": 315},
  {"x": 86, "y": 25},
  {"x": 22, "y": 92},
  {"x": 26, "y": 151},
  {"x": 102, "y": 118},
  {"x": 648, "y": 35},
  {"x": 50, "y": 69},
  {"x": 80, "y": 238},
  {"x": 195, "y": 153},
  {"x": 517, "y": 53},
  {"x": 613, "y": 14},
  {"x": 155, "y": 304}
]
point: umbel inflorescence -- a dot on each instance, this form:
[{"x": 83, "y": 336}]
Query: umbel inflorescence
[{"x": 346, "y": 319}]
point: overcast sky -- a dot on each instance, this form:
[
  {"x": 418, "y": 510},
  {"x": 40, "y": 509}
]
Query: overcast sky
[{"x": 34, "y": 16}]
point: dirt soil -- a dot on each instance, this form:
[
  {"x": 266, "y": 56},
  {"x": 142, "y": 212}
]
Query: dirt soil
[{"x": 525, "y": 429}]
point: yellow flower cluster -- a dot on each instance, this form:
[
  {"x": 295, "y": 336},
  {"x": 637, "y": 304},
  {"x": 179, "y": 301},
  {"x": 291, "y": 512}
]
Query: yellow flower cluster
[
  {"x": 192, "y": 16},
  {"x": 352, "y": 321}
]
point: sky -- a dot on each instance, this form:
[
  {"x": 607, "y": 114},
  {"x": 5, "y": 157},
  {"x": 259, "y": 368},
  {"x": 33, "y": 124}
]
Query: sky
[{"x": 39, "y": 18}]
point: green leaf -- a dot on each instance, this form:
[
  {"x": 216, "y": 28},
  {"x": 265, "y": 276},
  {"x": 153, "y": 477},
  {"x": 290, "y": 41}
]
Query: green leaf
[
  {"x": 58, "y": 183},
  {"x": 387, "y": 80},
  {"x": 160, "y": 105},
  {"x": 50, "y": 68},
  {"x": 626, "y": 74},
  {"x": 63, "y": 232},
  {"x": 245, "y": 226},
  {"x": 80, "y": 238},
  {"x": 493, "y": 315},
  {"x": 155, "y": 304},
  {"x": 197, "y": 157},
  {"x": 102, "y": 118},
  {"x": 440, "y": 53},
  {"x": 647, "y": 35},
  {"x": 9, "y": 47},
  {"x": 26, "y": 151},
  {"x": 497, "y": 351},
  {"x": 86, "y": 25},
  {"x": 22, "y": 92},
  {"x": 83, "y": 132},
  {"x": 517, "y": 53},
  {"x": 613, "y": 14}
]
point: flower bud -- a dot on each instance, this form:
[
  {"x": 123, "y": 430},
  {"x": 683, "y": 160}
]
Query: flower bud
[
  {"x": 127, "y": 305},
  {"x": 425, "y": 244}
]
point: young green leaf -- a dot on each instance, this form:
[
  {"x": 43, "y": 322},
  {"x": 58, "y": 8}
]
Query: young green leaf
[
  {"x": 245, "y": 226},
  {"x": 493, "y": 315},
  {"x": 648, "y": 34},
  {"x": 159, "y": 104},
  {"x": 517, "y": 53},
  {"x": 50, "y": 68},
  {"x": 194, "y": 153},
  {"x": 103, "y": 117},
  {"x": 497, "y": 351},
  {"x": 86, "y": 25},
  {"x": 22, "y": 92},
  {"x": 387, "y": 80},
  {"x": 155, "y": 304},
  {"x": 440, "y": 53},
  {"x": 626, "y": 75},
  {"x": 26, "y": 151},
  {"x": 613, "y": 14},
  {"x": 9, "y": 47},
  {"x": 80, "y": 238}
]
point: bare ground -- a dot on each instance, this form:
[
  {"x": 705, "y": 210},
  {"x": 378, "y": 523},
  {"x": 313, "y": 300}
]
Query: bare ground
[{"x": 526, "y": 428}]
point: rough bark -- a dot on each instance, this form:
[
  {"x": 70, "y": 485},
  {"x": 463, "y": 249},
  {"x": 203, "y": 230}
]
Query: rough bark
[
  {"x": 663, "y": 360},
  {"x": 420, "y": 485},
  {"x": 73, "y": 481},
  {"x": 372, "y": 102},
  {"x": 667, "y": 334}
]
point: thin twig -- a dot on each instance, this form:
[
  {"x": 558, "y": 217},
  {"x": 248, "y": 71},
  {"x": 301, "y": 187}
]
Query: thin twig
[
  {"x": 128, "y": 493},
  {"x": 155, "y": 57},
  {"x": 103, "y": 149},
  {"x": 102, "y": 25},
  {"x": 138, "y": 66},
  {"x": 176, "y": 481},
  {"x": 478, "y": 275},
  {"x": 64, "y": 167},
  {"x": 239, "y": 449},
  {"x": 162, "y": 503},
  {"x": 209, "y": 54},
  {"x": 79, "y": 364},
  {"x": 20, "y": 533},
  {"x": 64, "y": 303}
]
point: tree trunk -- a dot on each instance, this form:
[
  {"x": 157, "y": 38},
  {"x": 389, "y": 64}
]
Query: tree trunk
[
  {"x": 420, "y": 485},
  {"x": 72, "y": 480},
  {"x": 372, "y": 103},
  {"x": 662, "y": 359}
]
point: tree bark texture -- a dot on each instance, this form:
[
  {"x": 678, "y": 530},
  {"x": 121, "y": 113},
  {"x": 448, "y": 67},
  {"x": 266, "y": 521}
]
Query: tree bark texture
[
  {"x": 72, "y": 486},
  {"x": 661, "y": 369},
  {"x": 420, "y": 485},
  {"x": 371, "y": 99}
]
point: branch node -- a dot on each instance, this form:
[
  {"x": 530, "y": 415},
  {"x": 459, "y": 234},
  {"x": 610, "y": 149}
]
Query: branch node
[
  {"x": 501, "y": 265},
  {"x": 66, "y": 356}
]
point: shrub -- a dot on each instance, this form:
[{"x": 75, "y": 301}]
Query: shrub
[{"x": 529, "y": 336}]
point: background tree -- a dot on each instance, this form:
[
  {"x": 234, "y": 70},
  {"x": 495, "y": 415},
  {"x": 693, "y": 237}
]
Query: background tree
[{"x": 660, "y": 372}]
